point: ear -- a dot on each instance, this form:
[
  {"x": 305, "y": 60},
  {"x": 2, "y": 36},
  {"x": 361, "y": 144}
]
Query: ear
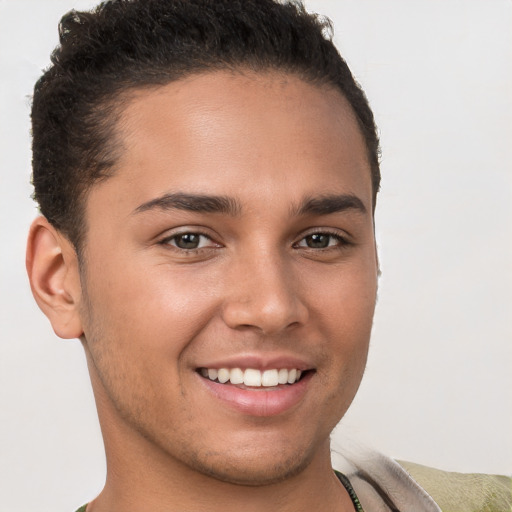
[{"x": 53, "y": 271}]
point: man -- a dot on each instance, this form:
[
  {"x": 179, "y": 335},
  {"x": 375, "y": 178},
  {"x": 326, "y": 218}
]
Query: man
[{"x": 207, "y": 173}]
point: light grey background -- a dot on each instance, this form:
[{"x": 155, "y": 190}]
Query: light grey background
[{"x": 438, "y": 387}]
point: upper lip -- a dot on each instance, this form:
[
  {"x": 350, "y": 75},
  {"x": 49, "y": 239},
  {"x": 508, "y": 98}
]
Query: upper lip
[{"x": 259, "y": 361}]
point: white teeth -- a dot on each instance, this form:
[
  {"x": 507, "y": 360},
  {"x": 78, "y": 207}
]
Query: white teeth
[
  {"x": 236, "y": 376},
  {"x": 283, "y": 376},
  {"x": 252, "y": 377},
  {"x": 223, "y": 375},
  {"x": 270, "y": 378}
]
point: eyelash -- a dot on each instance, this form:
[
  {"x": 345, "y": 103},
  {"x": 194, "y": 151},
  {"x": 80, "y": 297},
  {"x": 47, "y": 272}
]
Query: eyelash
[
  {"x": 167, "y": 241},
  {"x": 342, "y": 241}
]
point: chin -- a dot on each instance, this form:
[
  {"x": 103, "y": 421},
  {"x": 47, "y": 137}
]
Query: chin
[
  {"x": 254, "y": 463},
  {"x": 263, "y": 471}
]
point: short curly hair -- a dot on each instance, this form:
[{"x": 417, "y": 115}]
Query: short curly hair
[{"x": 123, "y": 45}]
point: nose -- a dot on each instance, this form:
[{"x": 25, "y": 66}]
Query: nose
[{"x": 264, "y": 295}]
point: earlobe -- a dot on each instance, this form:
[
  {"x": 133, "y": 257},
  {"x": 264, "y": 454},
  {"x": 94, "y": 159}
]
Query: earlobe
[{"x": 52, "y": 267}]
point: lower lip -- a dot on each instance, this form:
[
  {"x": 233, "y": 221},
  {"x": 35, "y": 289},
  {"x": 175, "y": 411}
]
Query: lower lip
[{"x": 260, "y": 402}]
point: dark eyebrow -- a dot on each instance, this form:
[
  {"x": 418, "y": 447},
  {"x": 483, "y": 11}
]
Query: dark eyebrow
[
  {"x": 325, "y": 205},
  {"x": 192, "y": 203}
]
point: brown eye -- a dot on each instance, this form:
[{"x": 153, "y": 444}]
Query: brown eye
[
  {"x": 322, "y": 241},
  {"x": 189, "y": 241},
  {"x": 318, "y": 241}
]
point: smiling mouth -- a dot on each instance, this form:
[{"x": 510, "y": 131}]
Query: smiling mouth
[{"x": 253, "y": 378}]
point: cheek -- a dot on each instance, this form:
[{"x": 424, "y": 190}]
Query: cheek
[
  {"x": 144, "y": 306},
  {"x": 347, "y": 321},
  {"x": 343, "y": 310},
  {"x": 344, "y": 301}
]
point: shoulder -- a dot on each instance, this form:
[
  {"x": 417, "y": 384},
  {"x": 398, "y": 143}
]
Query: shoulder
[{"x": 463, "y": 492}]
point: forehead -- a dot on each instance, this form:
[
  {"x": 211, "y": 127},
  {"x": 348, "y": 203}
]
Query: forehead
[{"x": 240, "y": 133}]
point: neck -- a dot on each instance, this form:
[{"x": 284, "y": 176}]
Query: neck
[
  {"x": 141, "y": 478},
  {"x": 134, "y": 484}
]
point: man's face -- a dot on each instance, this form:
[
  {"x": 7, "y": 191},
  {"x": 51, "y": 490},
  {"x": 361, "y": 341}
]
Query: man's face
[{"x": 236, "y": 234}]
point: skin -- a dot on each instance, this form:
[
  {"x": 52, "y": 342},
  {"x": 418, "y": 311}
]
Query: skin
[{"x": 150, "y": 313}]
